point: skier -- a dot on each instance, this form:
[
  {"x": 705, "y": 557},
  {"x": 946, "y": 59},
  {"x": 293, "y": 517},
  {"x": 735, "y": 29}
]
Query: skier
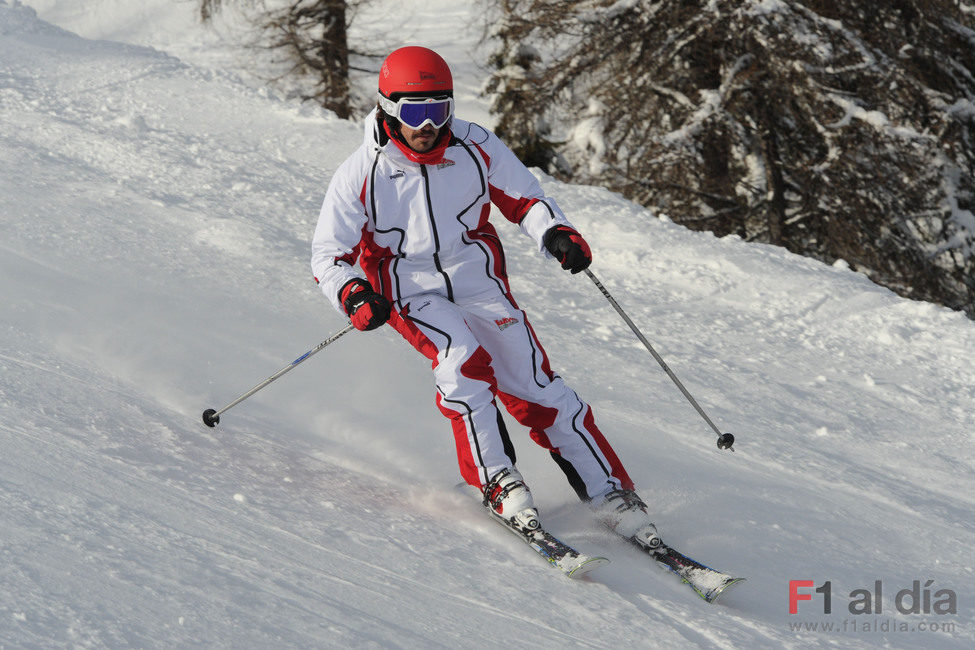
[{"x": 411, "y": 205}]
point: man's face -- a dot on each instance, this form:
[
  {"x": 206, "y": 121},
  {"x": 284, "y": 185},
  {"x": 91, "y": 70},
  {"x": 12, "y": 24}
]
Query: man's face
[{"x": 422, "y": 139}]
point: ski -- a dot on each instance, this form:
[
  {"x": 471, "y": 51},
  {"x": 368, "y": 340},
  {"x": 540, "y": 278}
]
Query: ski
[
  {"x": 706, "y": 582},
  {"x": 553, "y": 550},
  {"x": 556, "y": 552}
]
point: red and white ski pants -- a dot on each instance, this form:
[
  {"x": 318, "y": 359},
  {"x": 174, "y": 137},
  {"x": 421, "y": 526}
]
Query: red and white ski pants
[{"x": 486, "y": 350}]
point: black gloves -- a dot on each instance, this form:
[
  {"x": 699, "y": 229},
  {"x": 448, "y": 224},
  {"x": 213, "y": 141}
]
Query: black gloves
[
  {"x": 568, "y": 247},
  {"x": 367, "y": 309}
]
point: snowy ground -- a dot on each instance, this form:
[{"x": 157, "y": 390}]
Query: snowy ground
[{"x": 155, "y": 217}]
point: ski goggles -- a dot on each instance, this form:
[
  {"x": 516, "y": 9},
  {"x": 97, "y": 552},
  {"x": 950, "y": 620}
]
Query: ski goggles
[{"x": 415, "y": 112}]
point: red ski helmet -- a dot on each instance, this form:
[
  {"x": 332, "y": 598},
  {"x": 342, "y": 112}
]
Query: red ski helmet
[{"x": 415, "y": 71}]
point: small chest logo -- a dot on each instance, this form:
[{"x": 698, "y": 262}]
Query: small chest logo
[
  {"x": 505, "y": 323},
  {"x": 446, "y": 162},
  {"x": 399, "y": 173}
]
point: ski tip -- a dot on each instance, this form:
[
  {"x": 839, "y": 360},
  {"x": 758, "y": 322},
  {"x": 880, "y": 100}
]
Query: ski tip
[
  {"x": 712, "y": 595},
  {"x": 586, "y": 566}
]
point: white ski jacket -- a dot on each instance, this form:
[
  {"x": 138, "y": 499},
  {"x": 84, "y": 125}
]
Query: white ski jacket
[{"x": 421, "y": 228}]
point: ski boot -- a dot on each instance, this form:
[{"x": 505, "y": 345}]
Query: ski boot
[
  {"x": 509, "y": 499},
  {"x": 625, "y": 513}
]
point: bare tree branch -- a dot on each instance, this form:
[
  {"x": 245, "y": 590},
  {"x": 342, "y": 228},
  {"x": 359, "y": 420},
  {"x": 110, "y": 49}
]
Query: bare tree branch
[{"x": 831, "y": 129}]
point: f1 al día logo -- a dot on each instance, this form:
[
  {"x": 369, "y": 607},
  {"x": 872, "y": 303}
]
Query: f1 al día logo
[
  {"x": 919, "y": 598},
  {"x": 879, "y": 608}
]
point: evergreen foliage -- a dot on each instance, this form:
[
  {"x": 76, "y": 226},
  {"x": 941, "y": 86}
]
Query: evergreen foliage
[{"x": 839, "y": 129}]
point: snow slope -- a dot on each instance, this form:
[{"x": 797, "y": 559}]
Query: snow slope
[{"x": 155, "y": 217}]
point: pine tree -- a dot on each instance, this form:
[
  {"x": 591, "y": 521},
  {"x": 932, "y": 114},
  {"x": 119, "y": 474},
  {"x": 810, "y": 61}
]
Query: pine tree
[
  {"x": 836, "y": 128},
  {"x": 511, "y": 88}
]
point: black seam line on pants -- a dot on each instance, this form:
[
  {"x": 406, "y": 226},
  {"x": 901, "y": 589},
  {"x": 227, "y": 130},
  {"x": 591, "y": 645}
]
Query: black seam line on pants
[
  {"x": 402, "y": 235},
  {"x": 531, "y": 343},
  {"x": 470, "y": 411},
  {"x": 436, "y": 235},
  {"x": 582, "y": 407},
  {"x": 471, "y": 428},
  {"x": 571, "y": 475},
  {"x": 417, "y": 321},
  {"x": 482, "y": 247},
  {"x": 509, "y": 448},
  {"x": 535, "y": 351}
]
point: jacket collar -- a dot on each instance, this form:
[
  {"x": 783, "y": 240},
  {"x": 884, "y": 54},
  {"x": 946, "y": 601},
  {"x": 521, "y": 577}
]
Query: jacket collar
[
  {"x": 432, "y": 157},
  {"x": 376, "y": 136}
]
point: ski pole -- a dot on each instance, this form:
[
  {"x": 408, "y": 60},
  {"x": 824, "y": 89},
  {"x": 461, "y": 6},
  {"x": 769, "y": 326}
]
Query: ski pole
[
  {"x": 211, "y": 417},
  {"x": 725, "y": 440}
]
